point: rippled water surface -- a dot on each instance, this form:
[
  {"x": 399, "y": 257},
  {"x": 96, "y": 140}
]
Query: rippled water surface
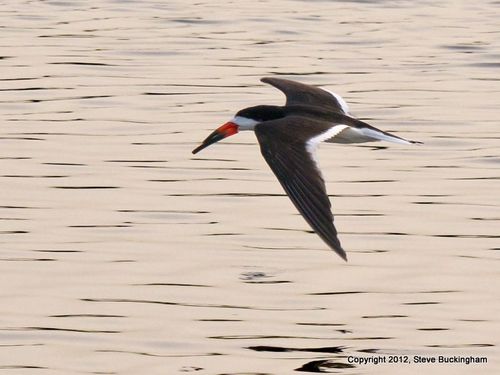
[{"x": 121, "y": 253}]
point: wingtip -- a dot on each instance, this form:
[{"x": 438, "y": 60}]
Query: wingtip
[
  {"x": 342, "y": 254},
  {"x": 339, "y": 251}
]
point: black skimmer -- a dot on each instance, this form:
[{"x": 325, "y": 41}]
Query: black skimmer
[{"x": 289, "y": 136}]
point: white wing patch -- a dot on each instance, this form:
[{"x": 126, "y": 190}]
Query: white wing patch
[
  {"x": 340, "y": 100},
  {"x": 312, "y": 143}
]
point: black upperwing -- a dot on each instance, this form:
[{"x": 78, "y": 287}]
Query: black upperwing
[
  {"x": 283, "y": 144},
  {"x": 301, "y": 94}
]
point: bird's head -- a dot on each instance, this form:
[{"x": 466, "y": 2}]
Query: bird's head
[{"x": 246, "y": 119}]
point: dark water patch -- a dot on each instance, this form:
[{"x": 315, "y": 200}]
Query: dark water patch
[
  {"x": 269, "y": 282},
  {"x": 175, "y": 284},
  {"x": 66, "y": 164},
  {"x": 361, "y": 215},
  {"x": 440, "y": 166},
  {"x": 186, "y": 304},
  {"x": 28, "y": 259},
  {"x": 474, "y": 178},
  {"x": 22, "y": 367},
  {"x": 321, "y": 324},
  {"x": 19, "y": 79},
  {"x": 15, "y": 158},
  {"x": 190, "y": 368},
  {"x": 196, "y": 20},
  {"x": 13, "y": 232},
  {"x": 147, "y": 166},
  {"x": 226, "y": 195},
  {"x": 323, "y": 366},
  {"x": 165, "y": 211},
  {"x": 343, "y": 331},
  {"x": 466, "y": 47},
  {"x": 272, "y": 248},
  {"x": 298, "y": 74},
  {"x": 434, "y": 195},
  {"x": 370, "y": 338},
  {"x": 177, "y": 223},
  {"x": 367, "y": 181},
  {"x": 50, "y": 120},
  {"x": 213, "y": 159},
  {"x": 485, "y": 79},
  {"x": 252, "y": 276},
  {"x": 371, "y": 351},
  {"x": 155, "y": 355},
  {"x": 281, "y": 349},
  {"x": 473, "y": 320},
  {"x": 335, "y": 293},
  {"x": 87, "y": 316},
  {"x": 384, "y": 316},
  {"x": 267, "y": 195},
  {"x": 379, "y": 233},
  {"x": 12, "y": 219},
  {"x": 171, "y": 93},
  {"x": 134, "y": 161},
  {"x": 194, "y": 179},
  {"x": 84, "y": 97},
  {"x": 439, "y": 291},
  {"x": 288, "y": 229},
  {"x": 100, "y": 226},
  {"x": 433, "y": 329},
  {"x": 267, "y": 337},
  {"x": 90, "y": 187},
  {"x": 421, "y": 303},
  {"x": 466, "y": 235},
  {"x": 485, "y": 65},
  {"x": 485, "y": 218},
  {"x": 370, "y": 251},
  {"x": 67, "y": 36},
  {"x": 37, "y": 88},
  {"x": 212, "y": 168},
  {"x": 22, "y": 207},
  {"x": 356, "y": 195},
  {"x": 458, "y": 346},
  {"x": 428, "y": 202},
  {"x": 221, "y": 234},
  {"x": 375, "y": 148},
  {"x": 31, "y": 176},
  {"x": 81, "y": 63},
  {"x": 55, "y": 329},
  {"x": 59, "y": 251},
  {"x": 23, "y": 138}
]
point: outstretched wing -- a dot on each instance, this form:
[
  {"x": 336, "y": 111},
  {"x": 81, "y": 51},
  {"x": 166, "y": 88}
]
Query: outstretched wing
[
  {"x": 301, "y": 94},
  {"x": 292, "y": 159}
]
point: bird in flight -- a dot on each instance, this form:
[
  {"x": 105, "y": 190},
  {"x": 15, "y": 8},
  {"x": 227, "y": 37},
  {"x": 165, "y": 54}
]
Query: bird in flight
[{"x": 289, "y": 136}]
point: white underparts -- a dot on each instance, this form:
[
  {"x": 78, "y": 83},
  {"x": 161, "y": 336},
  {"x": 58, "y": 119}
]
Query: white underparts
[{"x": 244, "y": 123}]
